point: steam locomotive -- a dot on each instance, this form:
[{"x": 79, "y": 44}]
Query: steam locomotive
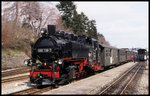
[{"x": 58, "y": 57}]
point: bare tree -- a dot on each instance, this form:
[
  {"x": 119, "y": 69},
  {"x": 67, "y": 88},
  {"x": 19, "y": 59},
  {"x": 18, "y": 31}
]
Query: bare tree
[
  {"x": 102, "y": 39},
  {"x": 31, "y": 14},
  {"x": 49, "y": 15},
  {"x": 11, "y": 13},
  {"x": 38, "y": 16},
  {"x": 60, "y": 25}
]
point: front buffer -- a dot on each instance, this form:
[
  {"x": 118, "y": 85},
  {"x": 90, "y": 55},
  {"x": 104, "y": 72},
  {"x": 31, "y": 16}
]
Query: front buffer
[
  {"x": 44, "y": 77},
  {"x": 50, "y": 74}
]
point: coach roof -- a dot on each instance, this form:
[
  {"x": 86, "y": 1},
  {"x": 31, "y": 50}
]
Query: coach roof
[{"x": 107, "y": 46}]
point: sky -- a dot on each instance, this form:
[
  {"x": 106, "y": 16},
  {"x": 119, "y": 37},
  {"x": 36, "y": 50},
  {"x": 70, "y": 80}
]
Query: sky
[{"x": 124, "y": 24}]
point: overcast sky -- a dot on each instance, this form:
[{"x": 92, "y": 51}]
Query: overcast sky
[{"x": 124, "y": 24}]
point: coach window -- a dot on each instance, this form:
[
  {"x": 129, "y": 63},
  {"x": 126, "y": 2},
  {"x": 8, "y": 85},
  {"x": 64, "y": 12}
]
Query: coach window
[
  {"x": 75, "y": 38},
  {"x": 91, "y": 43},
  {"x": 99, "y": 49},
  {"x": 66, "y": 36},
  {"x": 72, "y": 36},
  {"x": 106, "y": 54},
  {"x": 79, "y": 38},
  {"x": 110, "y": 52}
]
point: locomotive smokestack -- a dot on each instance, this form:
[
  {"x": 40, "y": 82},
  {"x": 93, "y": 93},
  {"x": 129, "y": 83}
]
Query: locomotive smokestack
[{"x": 51, "y": 29}]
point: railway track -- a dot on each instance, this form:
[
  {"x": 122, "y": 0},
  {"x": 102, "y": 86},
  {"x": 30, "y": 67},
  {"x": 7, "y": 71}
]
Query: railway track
[
  {"x": 36, "y": 91},
  {"x": 122, "y": 83},
  {"x": 32, "y": 91},
  {"x": 16, "y": 71},
  {"x": 132, "y": 89},
  {"x": 14, "y": 78}
]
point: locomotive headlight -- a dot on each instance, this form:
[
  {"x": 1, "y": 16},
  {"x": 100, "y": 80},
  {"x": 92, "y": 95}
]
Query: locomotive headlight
[
  {"x": 44, "y": 64},
  {"x": 27, "y": 61},
  {"x": 56, "y": 61},
  {"x": 60, "y": 61},
  {"x": 42, "y": 31}
]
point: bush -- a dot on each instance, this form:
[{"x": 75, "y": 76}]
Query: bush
[{"x": 16, "y": 38}]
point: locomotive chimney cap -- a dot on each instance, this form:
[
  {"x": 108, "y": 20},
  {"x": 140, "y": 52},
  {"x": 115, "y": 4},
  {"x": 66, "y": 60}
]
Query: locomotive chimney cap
[{"x": 51, "y": 29}]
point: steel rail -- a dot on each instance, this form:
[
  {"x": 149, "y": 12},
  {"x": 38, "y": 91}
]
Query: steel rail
[
  {"x": 127, "y": 85},
  {"x": 15, "y": 71},
  {"x": 23, "y": 91},
  {"x": 31, "y": 91},
  {"x": 119, "y": 79},
  {"x": 14, "y": 78},
  {"x": 110, "y": 84},
  {"x": 41, "y": 91}
]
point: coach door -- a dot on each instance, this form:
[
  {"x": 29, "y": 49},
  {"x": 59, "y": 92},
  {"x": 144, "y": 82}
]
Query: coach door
[
  {"x": 107, "y": 56},
  {"x": 96, "y": 47},
  {"x": 111, "y": 56}
]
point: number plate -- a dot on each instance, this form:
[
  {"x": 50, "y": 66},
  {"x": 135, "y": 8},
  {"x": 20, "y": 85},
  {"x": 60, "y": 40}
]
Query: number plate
[{"x": 44, "y": 50}]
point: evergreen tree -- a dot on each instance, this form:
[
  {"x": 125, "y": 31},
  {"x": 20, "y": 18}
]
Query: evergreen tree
[
  {"x": 92, "y": 31},
  {"x": 78, "y": 26},
  {"x": 79, "y": 23},
  {"x": 84, "y": 20},
  {"x": 66, "y": 9}
]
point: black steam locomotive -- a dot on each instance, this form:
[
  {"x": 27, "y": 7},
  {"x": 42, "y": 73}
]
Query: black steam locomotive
[{"x": 58, "y": 57}]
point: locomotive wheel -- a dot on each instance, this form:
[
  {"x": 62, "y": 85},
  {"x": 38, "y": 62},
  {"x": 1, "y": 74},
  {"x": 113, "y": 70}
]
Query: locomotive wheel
[
  {"x": 64, "y": 80},
  {"x": 68, "y": 77},
  {"x": 31, "y": 79},
  {"x": 71, "y": 75}
]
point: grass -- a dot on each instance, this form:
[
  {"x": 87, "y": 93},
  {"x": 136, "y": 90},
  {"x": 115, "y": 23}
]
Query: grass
[{"x": 12, "y": 52}]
